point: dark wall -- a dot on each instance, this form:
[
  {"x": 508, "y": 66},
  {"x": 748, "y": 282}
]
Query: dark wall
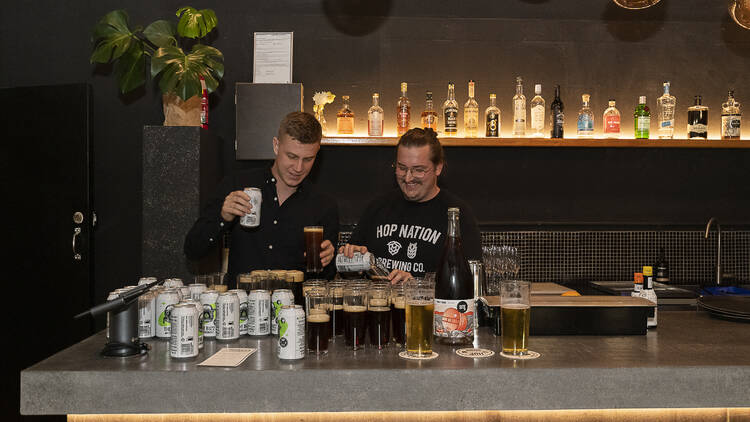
[{"x": 356, "y": 47}]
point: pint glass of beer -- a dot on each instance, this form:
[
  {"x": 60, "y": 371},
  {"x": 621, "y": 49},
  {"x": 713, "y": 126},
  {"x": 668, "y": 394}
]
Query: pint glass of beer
[
  {"x": 313, "y": 239},
  {"x": 398, "y": 314},
  {"x": 379, "y": 314},
  {"x": 355, "y": 313},
  {"x": 420, "y": 307},
  {"x": 515, "y": 312},
  {"x": 317, "y": 305}
]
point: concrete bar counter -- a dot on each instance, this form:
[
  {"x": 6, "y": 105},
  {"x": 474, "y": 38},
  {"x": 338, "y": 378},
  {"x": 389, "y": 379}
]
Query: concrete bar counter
[{"x": 690, "y": 361}]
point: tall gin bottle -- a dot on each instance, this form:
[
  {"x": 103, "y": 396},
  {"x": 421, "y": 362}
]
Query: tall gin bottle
[
  {"x": 471, "y": 114},
  {"x": 375, "y": 117},
  {"x": 454, "y": 289},
  {"x": 403, "y": 111},
  {"x": 492, "y": 118},
  {"x": 429, "y": 115},
  {"x": 345, "y": 118},
  {"x": 730, "y": 118},
  {"x": 642, "y": 117},
  {"x": 611, "y": 118},
  {"x": 697, "y": 126},
  {"x": 450, "y": 112},
  {"x": 665, "y": 106},
  {"x": 519, "y": 110},
  {"x": 557, "y": 116},
  {"x": 537, "y": 112},
  {"x": 585, "y": 122}
]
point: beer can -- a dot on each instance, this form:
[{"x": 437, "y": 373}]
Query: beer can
[
  {"x": 183, "y": 341},
  {"x": 196, "y": 289},
  {"x": 252, "y": 219},
  {"x": 197, "y": 307},
  {"x": 259, "y": 313},
  {"x": 147, "y": 315},
  {"x": 227, "y": 317},
  {"x": 292, "y": 332},
  {"x": 185, "y": 293},
  {"x": 208, "y": 304},
  {"x": 279, "y": 298},
  {"x": 146, "y": 280},
  {"x": 165, "y": 301},
  {"x": 358, "y": 262},
  {"x": 173, "y": 283},
  {"x": 242, "y": 295}
]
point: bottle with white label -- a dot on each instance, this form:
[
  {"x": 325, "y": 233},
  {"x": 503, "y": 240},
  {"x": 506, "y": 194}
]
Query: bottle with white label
[
  {"x": 730, "y": 118},
  {"x": 665, "y": 107},
  {"x": 375, "y": 117},
  {"x": 611, "y": 119},
  {"x": 537, "y": 112},
  {"x": 519, "y": 110},
  {"x": 585, "y": 122},
  {"x": 697, "y": 126},
  {"x": 648, "y": 293}
]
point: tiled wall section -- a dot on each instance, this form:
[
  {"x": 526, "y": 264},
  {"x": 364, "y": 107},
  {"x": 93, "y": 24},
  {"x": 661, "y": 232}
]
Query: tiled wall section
[{"x": 580, "y": 256}]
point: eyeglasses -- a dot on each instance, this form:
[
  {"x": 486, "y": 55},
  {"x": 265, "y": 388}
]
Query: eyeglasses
[{"x": 416, "y": 172}]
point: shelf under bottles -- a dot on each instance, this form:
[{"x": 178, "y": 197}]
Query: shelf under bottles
[{"x": 545, "y": 142}]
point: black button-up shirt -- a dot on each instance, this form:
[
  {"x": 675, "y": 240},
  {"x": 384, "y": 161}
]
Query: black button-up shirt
[{"x": 279, "y": 242}]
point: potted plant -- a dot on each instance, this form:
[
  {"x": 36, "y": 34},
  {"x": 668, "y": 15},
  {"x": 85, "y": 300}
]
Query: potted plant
[{"x": 160, "y": 47}]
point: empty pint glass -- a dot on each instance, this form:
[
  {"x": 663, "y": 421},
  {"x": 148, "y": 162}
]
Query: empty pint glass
[
  {"x": 313, "y": 239},
  {"x": 420, "y": 307},
  {"x": 317, "y": 306},
  {"x": 515, "y": 313},
  {"x": 355, "y": 314}
]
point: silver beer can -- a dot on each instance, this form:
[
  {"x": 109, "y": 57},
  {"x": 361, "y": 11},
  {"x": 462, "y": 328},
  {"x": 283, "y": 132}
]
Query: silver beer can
[
  {"x": 243, "y": 309},
  {"x": 279, "y": 298},
  {"x": 165, "y": 301},
  {"x": 198, "y": 308},
  {"x": 147, "y": 315},
  {"x": 171, "y": 283},
  {"x": 292, "y": 333},
  {"x": 259, "y": 313},
  {"x": 252, "y": 219},
  {"x": 183, "y": 341},
  {"x": 208, "y": 304},
  {"x": 196, "y": 289},
  {"x": 146, "y": 280},
  {"x": 227, "y": 317},
  {"x": 358, "y": 262}
]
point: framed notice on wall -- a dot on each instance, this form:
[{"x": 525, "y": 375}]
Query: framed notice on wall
[{"x": 272, "y": 57}]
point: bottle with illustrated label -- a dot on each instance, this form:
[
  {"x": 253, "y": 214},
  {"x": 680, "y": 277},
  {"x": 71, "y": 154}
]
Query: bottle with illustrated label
[
  {"x": 492, "y": 118},
  {"x": 403, "y": 111},
  {"x": 519, "y": 110},
  {"x": 429, "y": 115},
  {"x": 585, "y": 122},
  {"x": 537, "y": 112},
  {"x": 730, "y": 118},
  {"x": 375, "y": 117},
  {"x": 611, "y": 119},
  {"x": 557, "y": 116},
  {"x": 665, "y": 106},
  {"x": 642, "y": 115},
  {"x": 450, "y": 112},
  {"x": 454, "y": 289},
  {"x": 345, "y": 118},
  {"x": 697, "y": 126},
  {"x": 471, "y": 114},
  {"x": 648, "y": 293}
]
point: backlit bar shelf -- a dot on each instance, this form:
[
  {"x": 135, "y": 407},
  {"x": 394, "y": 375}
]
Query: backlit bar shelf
[{"x": 545, "y": 142}]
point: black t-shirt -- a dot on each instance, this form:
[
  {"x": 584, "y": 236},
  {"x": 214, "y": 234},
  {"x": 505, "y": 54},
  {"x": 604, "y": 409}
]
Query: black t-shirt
[{"x": 409, "y": 235}]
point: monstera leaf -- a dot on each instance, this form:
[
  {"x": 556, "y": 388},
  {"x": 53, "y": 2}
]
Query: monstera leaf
[
  {"x": 111, "y": 37},
  {"x": 195, "y": 23},
  {"x": 180, "y": 73},
  {"x": 161, "y": 34}
]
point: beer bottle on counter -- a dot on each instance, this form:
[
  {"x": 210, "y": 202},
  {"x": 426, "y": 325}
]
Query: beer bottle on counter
[
  {"x": 454, "y": 289},
  {"x": 648, "y": 292}
]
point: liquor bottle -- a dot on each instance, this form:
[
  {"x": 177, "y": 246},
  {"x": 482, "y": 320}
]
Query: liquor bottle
[
  {"x": 642, "y": 117},
  {"x": 345, "y": 118},
  {"x": 519, "y": 110},
  {"x": 698, "y": 120},
  {"x": 429, "y": 115},
  {"x": 665, "y": 106},
  {"x": 585, "y": 119},
  {"x": 403, "y": 111},
  {"x": 492, "y": 118},
  {"x": 450, "y": 111},
  {"x": 611, "y": 121},
  {"x": 661, "y": 268},
  {"x": 537, "y": 112},
  {"x": 648, "y": 293},
  {"x": 557, "y": 116},
  {"x": 471, "y": 114},
  {"x": 454, "y": 289},
  {"x": 375, "y": 117},
  {"x": 204, "y": 104},
  {"x": 730, "y": 118}
]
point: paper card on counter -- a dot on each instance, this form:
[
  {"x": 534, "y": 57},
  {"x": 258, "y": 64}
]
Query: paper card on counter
[
  {"x": 272, "y": 57},
  {"x": 230, "y": 356}
]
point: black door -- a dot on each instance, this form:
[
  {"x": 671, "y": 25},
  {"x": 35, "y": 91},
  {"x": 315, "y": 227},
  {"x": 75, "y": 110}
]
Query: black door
[{"x": 47, "y": 193}]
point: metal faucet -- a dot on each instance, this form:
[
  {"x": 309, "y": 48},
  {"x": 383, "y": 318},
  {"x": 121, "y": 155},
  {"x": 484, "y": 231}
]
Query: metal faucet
[{"x": 718, "y": 247}]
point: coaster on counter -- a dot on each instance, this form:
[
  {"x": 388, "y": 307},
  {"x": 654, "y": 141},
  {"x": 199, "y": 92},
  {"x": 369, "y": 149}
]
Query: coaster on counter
[
  {"x": 405, "y": 356},
  {"x": 529, "y": 355},
  {"x": 475, "y": 353}
]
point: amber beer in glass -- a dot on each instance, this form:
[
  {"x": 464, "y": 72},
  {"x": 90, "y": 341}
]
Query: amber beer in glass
[
  {"x": 313, "y": 239},
  {"x": 420, "y": 308},
  {"x": 515, "y": 313}
]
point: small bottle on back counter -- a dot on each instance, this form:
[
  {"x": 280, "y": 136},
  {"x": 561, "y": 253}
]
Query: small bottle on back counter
[
  {"x": 637, "y": 285},
  {"x": 661, "y": 268},
  {"x": 648, "y": 292}
]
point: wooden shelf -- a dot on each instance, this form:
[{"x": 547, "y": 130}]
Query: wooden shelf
[{"x": 544, "y": 142}]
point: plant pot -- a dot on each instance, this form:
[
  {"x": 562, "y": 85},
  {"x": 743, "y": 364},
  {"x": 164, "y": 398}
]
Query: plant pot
[{"x": 181, "y": 113}]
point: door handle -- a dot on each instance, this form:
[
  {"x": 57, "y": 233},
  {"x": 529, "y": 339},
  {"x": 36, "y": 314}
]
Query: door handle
[{"x": 76, "y": 232}]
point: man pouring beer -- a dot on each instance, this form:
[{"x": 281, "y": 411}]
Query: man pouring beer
[
  {"x": 278, "y": 208},
  {"x": 406, "y": 227}
]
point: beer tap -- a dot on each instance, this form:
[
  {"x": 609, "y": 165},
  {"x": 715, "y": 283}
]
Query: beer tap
[{"x": 718, "y": 247}]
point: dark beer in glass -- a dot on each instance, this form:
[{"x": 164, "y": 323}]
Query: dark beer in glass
[{"x": 313, "y": 239}]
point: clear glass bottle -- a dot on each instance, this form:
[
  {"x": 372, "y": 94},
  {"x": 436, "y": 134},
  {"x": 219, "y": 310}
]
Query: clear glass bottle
[
  {"x": 450, "y": 111},
  {"x": 519, "y": 110},
  {"x": 697, "y": 126},
  {"x": 345, "y": 118},
  {"x": 585, "y": 122},
  {"x": 731, "y": 116},
  {"x": 403, "y": 111},
  {"x": 537, "y": 112},
  {"x": 665, "y": 106},
  {"x": 471, "y": 114},
  {"x": 557, "y": 116},
  {"x": 611, "y": 121},
  {"x": 492, "y": 119},
  {"x": 642, "y": 116},
  {"x": 375, "y": 117},
  {"x": 429, "y": 115}
]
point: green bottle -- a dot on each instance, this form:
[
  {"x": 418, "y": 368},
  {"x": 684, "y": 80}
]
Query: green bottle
[{"x": 642, "y": 119}]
